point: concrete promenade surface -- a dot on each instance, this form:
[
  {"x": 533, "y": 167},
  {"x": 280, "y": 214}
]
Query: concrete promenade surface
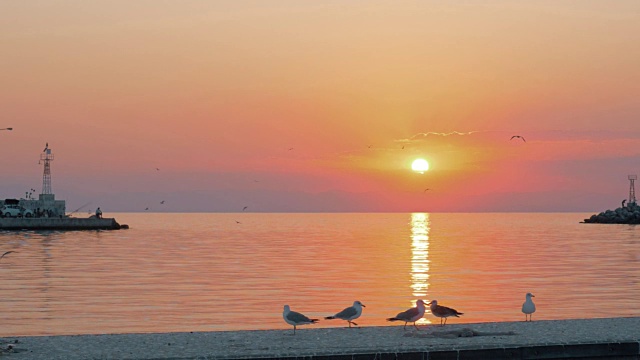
[{"x": 612, "y": 338}]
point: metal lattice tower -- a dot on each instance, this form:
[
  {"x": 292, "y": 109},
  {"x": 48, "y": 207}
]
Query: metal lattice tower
[
  {"x": 47, "y": 157},
  {"x": 632, "y": 189}
]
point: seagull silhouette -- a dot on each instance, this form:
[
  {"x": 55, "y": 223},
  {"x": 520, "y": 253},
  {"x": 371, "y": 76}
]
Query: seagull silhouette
[
  {"x": 146, "y": 208},
  {"x": 518, "y": 136},
  {"x": 290, "y": 148},
  {"x": 157, "y": 169},
  {"x": 425, "y": 190},
  {"x": 238, "y": 222},
  {"x": 162, "y": 202},
  {"x": 244, "y": 208},
  {"x": 8, "y": 252}
]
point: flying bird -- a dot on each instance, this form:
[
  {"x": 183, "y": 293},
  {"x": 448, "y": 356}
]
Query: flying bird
[
  {"x": 442, "y": 312},
  {"x": 157, "y": 169},
  {"x": 412, "y": 315},
  {"x": 290, "y": 149},
  {"x": 350, "y": 313},
  {"x": 238, "y": 222},
  {"x": 295, "y": 318},
  {"x": 425, "y": 190},
  {"x": 518, "y": 136},
  {"x": 146, "y": 209},
  {"x": 528, "y": 308},
  {"x": 162, "y": 202},
  {"x": 244, "y": 208},
  {"x": 8, "y": 252}
]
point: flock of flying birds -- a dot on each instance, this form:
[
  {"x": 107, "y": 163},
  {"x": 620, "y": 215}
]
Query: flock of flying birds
[
  {"x": 368, "y": 147},
  {"x": 409, "y": 316}
]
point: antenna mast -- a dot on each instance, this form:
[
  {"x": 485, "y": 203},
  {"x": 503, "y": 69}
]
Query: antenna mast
[
  {"x": 47, "y": 157},
  {"x": 632, "y": 189}
]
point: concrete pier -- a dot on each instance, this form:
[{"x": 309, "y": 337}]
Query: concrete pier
[
  {"x": 612, "y": 338},
  {"x": 65, "y": 223}
]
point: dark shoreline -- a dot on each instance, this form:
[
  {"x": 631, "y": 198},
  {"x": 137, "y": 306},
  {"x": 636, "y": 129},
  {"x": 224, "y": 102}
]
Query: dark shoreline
[{"x": 617, "y": 338}]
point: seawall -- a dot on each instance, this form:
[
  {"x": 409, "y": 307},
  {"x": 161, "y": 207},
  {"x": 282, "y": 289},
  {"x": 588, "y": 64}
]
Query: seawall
[
  {"x": 58, "y": 224},
  {"x": 611, "y": 338}
]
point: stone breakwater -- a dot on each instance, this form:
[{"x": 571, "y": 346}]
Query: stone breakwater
[{"x": 629, "y": 214}]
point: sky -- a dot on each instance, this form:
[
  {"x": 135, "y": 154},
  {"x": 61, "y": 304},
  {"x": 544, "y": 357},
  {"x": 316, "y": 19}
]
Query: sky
[{"x": 321, "y": 106}]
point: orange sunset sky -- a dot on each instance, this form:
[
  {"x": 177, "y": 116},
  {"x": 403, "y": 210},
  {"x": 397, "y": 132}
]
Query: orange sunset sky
[{"x": 308, "y": 106}]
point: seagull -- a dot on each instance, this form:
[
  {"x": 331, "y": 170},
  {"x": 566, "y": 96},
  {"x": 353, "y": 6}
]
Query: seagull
[
  {"x": 425, "y": 190},
  {"x": 295, "y": 318},
  {"x": 442, "y": 311},
  {"x": 157, "y": 169},
  {"x": 350, "y": 313},
  {"x": 411, "y": 315},
  {"x": 146, "y": 209},
  {"x": 8, "y": 252},
  {"x": 518, "y": 136},
  {"x": 162, "y": 202},
  {"x": 369, "y": 147},
  {"x": 528, "y": 307},
  {"x": 244, "y": 208},
  {"x": 237, "y": 222},
  {"x": 290, "y": 149}
]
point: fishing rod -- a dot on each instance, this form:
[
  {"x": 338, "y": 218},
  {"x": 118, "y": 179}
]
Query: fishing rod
[{"x": 78, "y": 209}]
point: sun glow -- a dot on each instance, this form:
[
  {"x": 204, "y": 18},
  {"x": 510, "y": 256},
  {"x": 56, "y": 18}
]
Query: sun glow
[{"x": 420, "y": 165}]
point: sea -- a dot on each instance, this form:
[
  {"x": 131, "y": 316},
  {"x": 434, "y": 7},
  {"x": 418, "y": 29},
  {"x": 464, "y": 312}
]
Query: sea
[{"x": 181, "y": 272}]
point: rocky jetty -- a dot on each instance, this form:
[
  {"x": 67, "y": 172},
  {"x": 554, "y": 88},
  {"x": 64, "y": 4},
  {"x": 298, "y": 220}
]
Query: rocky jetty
[{"x": 629, "y": 214}]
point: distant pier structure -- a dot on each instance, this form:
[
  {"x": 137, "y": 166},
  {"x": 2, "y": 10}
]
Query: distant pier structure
[
  {"x": 47, "y": 213},
  {"x": 625, "y": 214},
  {"x": 632, "y": 189}
]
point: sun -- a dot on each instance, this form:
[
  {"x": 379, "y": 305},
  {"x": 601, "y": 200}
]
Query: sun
[{"x": 420, "y": 165}]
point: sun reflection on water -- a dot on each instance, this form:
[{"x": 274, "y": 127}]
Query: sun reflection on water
[{"x": 420, "y": 257}]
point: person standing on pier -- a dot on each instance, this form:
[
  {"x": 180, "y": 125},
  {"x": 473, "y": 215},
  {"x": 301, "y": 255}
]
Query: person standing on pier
[{"x": 98, "y": 213}]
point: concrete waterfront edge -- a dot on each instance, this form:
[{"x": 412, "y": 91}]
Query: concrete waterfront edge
[
  {"x": 624, "y": 350},
  {"x": 58, "y": 224},
  {"x": 605, "y": 338}
]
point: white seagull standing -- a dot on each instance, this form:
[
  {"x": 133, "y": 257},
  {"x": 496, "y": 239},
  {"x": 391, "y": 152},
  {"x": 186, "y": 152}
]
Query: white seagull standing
[
  {"x": 442, "y": 311},
  {"x": 528, "y": 307},
  {"x": 350, "y": 313},
  {"x": 295, "y": 318},
  {"x": 411, "y": 315}
]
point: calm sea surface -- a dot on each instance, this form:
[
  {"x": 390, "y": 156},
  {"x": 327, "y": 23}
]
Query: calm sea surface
[{"x": 206, "y": 272}]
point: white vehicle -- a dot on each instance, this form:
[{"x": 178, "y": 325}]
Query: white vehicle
[{"x": 11, "y": 210}]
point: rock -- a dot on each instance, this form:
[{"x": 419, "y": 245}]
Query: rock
[{"x": 629, "y": 214}]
